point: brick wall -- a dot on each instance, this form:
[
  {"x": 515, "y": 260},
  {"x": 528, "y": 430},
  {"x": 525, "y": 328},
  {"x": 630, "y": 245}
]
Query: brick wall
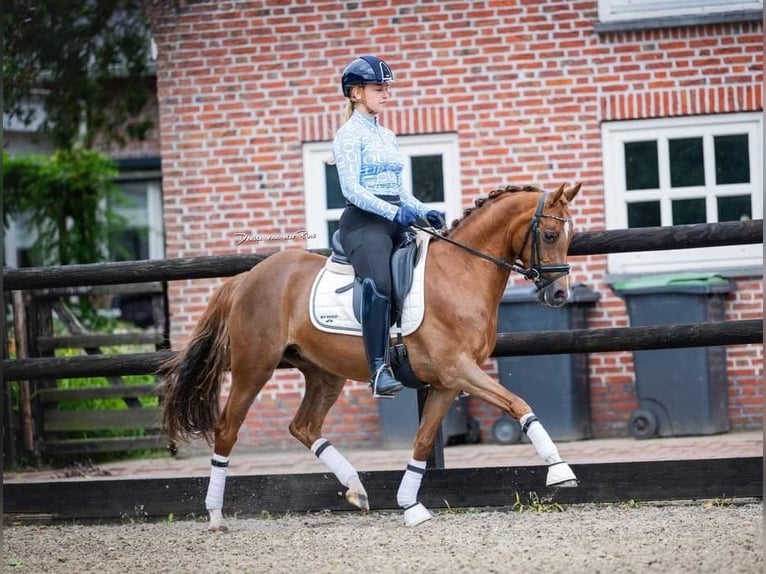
[{"x": 525, "y": 86}]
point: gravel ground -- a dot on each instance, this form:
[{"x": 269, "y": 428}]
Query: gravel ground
[{"x": 678, "y": 537}]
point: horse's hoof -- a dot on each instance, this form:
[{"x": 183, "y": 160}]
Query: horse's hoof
[
  {"x": 216, "y": 523},
  {"x": 560, "y": 475},
  {"x": 358, "y": 499},
  {"x": 356, "y": 494},
  {"x": 417, "y": 514}
]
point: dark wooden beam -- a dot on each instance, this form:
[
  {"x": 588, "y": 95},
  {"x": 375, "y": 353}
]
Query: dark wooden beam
[
  {"x": 508, "y": 344},
  {"x": 85, "y": 393},
  {"x": 583, "y": 243},
  {"x": 68, "y": 447},
  {"x": 95, "y": 340},
  {"x": 629, "y": 338},
  {"x": 662, "y": 238},
  {"x": 112, "y": 499}
]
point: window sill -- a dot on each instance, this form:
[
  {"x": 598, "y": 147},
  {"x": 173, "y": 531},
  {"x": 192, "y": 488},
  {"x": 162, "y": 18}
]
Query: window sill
[{"x": 678, "y": 21}]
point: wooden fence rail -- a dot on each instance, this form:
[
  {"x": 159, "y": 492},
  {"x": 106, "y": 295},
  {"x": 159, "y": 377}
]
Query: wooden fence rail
[
  {"x": 583, "y": 243},
  {"x": 508, "y": 344}
]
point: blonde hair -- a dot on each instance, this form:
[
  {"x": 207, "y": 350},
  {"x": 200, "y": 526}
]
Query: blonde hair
[
  {"x": 351, "y": 103},
  {"x": 349, "y": 110}
]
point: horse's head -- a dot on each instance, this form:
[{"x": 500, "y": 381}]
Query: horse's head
[{"x": 543, "y": 245}]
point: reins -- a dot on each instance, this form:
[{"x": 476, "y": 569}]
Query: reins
[
  {"x": 496, "y": 260},
  {"x": 535, "y": 270}
]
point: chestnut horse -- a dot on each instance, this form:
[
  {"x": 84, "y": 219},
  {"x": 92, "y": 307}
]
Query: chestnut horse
[{"x": 260, "y": 318}]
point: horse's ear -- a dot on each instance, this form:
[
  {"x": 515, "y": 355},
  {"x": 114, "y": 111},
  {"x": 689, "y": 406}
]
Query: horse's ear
[
  {"x": 557, "y": 194},
  {"x": 572, "y": 191}
]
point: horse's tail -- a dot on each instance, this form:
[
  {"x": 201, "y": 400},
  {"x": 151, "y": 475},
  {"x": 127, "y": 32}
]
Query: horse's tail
[{"x": 190, "y": 381}]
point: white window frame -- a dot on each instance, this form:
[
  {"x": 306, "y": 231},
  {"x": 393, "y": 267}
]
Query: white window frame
[
  {"x": 626, "y": 10},
  {"x": 616, "y": 197},
  {"x": 317, "y": 154}
]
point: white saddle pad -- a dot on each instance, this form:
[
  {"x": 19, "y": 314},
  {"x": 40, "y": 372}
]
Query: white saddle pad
[{"x": 333, "y": 312}]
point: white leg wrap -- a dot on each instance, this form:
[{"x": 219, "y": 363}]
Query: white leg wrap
[
  {"x": 218, "y": 467},
  {"x": 407, "y": 494},
  {"x": 334, "y": 460},
  {"x": 540, "y": 439},
  {"x": 559, "y": 472}
]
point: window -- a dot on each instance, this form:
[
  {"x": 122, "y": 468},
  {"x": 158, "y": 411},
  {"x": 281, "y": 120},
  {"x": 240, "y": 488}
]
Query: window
[
  {"x": 627, "y": 10},
  {"x": 702, "y": 169},
  {"x": 143, "y": 237},
  {"x": 431, "y": 173}
]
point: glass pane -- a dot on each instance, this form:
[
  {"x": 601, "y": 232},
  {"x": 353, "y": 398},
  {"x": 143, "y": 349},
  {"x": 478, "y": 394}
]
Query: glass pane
[
  {"x": 130, "y": 244},
  {"x": 27, "y": 258},
  {"x": 332, "y": 227},
  {"x": 687, "y": 166},
  {"x": 644, "y": 214},
  {"x": 689, "y": 211},
  {"x": 427, "y": 178},
  {"x": 335, "y": 198},
  {"x": 641, "y": 167},
  {"x": 732, "y": 159},
  {"x": 736, "y": 208},
  {"x": 135, "y": 195},
  {"x": 134, "y": 205}
]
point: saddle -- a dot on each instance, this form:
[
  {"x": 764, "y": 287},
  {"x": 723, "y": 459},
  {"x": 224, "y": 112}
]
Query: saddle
[{"x": 405, "y": 256}]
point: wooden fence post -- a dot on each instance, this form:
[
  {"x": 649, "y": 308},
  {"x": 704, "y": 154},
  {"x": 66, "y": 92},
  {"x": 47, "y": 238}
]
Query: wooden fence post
[
  {"x": 25, "y": 401},
  {"x": 10, "y": 423}
]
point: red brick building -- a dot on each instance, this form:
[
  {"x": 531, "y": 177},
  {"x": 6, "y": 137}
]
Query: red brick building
[{"x": 649, "y": 108}]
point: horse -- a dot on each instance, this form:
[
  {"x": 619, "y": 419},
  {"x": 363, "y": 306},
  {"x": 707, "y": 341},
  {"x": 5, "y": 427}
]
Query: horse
[{"x": 259, "y": 319}]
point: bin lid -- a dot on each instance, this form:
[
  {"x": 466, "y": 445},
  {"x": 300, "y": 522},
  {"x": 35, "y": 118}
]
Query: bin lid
[
  {"x": 702, "y": 283},
  {"x": 525, "y": 294}
]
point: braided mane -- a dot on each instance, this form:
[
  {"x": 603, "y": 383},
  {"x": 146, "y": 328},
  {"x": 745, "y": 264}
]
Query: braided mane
[{"x": 494, "y": 194}]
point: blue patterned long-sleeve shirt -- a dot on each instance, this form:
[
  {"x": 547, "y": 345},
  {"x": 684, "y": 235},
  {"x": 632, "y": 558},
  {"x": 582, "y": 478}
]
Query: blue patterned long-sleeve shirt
[{"x": 370, "y": 167}]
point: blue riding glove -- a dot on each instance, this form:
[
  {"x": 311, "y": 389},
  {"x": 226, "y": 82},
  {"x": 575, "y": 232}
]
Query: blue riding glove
[
  {"x": 406, "y": 216},
  {"x": 436, "y": 219}
]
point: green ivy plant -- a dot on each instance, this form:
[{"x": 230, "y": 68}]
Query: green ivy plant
[{"x": 69, "y": 199}]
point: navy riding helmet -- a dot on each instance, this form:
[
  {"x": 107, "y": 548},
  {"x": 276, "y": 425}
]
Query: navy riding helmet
[{"x": 365, "y": 70}]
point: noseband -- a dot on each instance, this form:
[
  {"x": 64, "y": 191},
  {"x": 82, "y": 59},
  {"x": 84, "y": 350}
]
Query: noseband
[{"x": 535, "y": 270}]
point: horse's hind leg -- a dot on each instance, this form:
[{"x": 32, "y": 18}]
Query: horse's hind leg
[
  {"x": 436, "y": 406},
  {"x": 247, "y": 380},
  {"x": 322, "y": 390}
]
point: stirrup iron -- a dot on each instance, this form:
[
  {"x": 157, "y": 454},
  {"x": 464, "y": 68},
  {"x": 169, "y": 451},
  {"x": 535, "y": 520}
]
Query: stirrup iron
[{"x": 391, "y": 393}]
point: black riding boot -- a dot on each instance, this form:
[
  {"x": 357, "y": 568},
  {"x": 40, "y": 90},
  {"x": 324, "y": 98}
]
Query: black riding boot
[{"x": 375, "y": 330}]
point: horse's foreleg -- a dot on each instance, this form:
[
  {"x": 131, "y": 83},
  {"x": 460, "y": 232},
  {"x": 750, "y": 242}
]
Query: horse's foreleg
[
  {"x": 436, "y": 406},
  {"x": 559, "y": 472},
  {"x": 480, "y": 385},
  {"x": 322, "y": 390}
]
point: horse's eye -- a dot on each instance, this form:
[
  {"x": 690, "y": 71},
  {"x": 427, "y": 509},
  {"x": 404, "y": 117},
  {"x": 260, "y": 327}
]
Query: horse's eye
[{"x": 550, "y": 236}]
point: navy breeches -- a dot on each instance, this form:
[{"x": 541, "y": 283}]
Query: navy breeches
[{"x": 368, "y": 241}]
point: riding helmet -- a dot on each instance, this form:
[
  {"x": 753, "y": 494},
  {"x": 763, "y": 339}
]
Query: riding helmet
[{"x": 365, "y": 70}]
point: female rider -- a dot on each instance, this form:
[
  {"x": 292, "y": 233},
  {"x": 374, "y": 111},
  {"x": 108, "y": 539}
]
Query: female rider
[{"x": 378, "y": 207}]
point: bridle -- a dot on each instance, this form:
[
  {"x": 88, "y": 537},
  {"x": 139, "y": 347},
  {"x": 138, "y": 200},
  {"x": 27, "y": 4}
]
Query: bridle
[{"x": 535, "y": 271}]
